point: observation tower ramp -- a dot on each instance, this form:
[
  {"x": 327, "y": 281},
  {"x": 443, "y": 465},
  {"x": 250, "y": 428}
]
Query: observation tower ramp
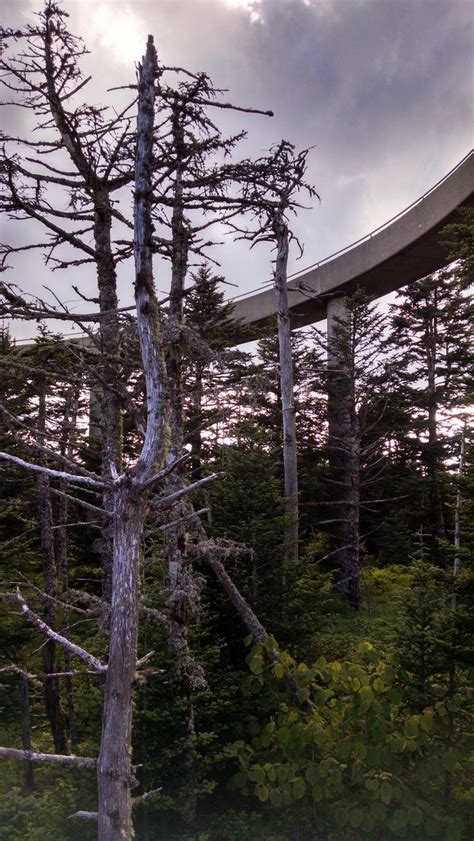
[{"x": 402, "y": 250}]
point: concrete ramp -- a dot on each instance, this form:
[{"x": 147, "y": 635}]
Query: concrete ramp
[{"x": 401, "y": 251}]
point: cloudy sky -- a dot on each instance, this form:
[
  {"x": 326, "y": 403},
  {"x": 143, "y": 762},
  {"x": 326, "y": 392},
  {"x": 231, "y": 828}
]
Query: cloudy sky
[{"x": 383, "y": 89}]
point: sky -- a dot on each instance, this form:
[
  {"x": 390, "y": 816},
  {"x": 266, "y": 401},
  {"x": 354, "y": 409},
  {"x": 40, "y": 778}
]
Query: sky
[{"x": 382, "y": 89}]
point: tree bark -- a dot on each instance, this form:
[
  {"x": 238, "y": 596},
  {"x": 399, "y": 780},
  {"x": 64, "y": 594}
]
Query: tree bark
[
  {"x": 457, "y": 519},
  {"x": 59, "y": 759},
  {"x": 287, "y": 395},
  {"x": 114, "y": 766},
  {"x": 111, "y": 404},
  {"x": 108, "y": 303},
  {"x": 438, "y": 529},
  {"x": 51, "y": 686},
  {"x": 66, "y": 449},
  {"x": 180, "y": 579}
]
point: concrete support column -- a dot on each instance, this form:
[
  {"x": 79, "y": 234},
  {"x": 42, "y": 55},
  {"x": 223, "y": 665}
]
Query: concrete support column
[{"x": 343, "y": 445}]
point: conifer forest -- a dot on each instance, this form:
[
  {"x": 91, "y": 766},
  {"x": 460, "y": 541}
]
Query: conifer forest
[{"x": 236, "y": 591}]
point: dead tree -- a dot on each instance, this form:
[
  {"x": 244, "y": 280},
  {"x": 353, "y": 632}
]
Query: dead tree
[
  {"x": 67, "y": 439},
  {"x": 51, "y": 688},
  {"x": 84, "y": 150},
  {"x": 270, "y": 189},
  {"x": 131, "y": 492},
  {"x": 457, "y": 515},
  {"x": 191, "y": 193},
  {"x": 129, "y": 496}
]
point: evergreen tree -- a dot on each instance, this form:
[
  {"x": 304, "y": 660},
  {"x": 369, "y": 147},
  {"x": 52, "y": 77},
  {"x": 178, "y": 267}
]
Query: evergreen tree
[
  {"x": 431, "y": 329},
  {"x": 212, "y": 368}
]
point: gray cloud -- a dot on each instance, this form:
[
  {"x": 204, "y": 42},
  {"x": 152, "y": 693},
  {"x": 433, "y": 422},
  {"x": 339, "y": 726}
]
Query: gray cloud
[{"x": 382, "y": 88}]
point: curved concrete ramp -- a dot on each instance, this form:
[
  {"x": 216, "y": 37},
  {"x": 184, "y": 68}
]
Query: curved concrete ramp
[{"x": 400, "y": 252}]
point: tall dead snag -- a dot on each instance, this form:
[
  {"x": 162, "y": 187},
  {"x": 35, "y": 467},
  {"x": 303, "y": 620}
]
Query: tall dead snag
[
  {"x": 114, "y": 769},
  {"x": 46, "y": 79},
  {"x": 66, "y": 448},
  {"x": 194, "y": 188},
  {"x": 270, "y": 188},
  {"x": 51, "y": 687},
  {"x": 457, "y": 516}
]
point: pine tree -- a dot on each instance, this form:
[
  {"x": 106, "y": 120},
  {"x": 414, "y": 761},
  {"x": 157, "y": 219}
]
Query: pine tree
[
  {"x": 212, "y": 367},
  {"x": 431, "y": 329}
]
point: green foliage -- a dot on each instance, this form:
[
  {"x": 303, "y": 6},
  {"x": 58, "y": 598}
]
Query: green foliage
[
  {"x": 343, "y": 753},
  {"x": 44, "y": 814}
]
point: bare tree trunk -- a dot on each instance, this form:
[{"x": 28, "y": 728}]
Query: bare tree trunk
[
  {"x": 66, "y": 449},
  {"x": 438, "y": 529},
  {"x": 195, "y": 436},
  {"x": 114, "y": 766},
  {"x": 29, "y": 783},
  {"x": 457, "y": 519},
  {"x": 180, "y": 578},
  {"x": 344, "y": 456},
  {"x": 110, "y": 343},
  {"x": 99, "y": 191},
  {"x": 287, "y": 395},
  {"x": 51, "y": 686}
]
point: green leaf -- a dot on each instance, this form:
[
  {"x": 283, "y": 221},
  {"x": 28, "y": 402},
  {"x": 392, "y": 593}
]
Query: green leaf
[
  {"x": 431, "y": 828},
  {"x": 395, "y": 697},
  {"x": 411, "y": 729},
  {"x": 342, "y": 817},
  {"x": 386, "y": 792},
  {"x": 278, "y": 670},
  {"x": 366, "y": 694},
  {"x": 282, "y": 773},
  {"x": 426, "y": 723},
  {"x": 312, "y": 774},
  {"x": 422, "y": 772},
  {"x": 455, "y": 830},
  {"x": 276, "y": 798},
  {"x": 378, "y": 811},
  {"x": 368, "y": 823},
  {"x": 359, "y": 750},
  {"x": 262, "y": 793},
  {"x": 434, "y": 767},
  {"x": 257, "y": 774},
  {"x": 256, "y": 665},
  {"x": 318, "y": 794},
  {"x": 356, "y": 817},
  {"x": 299, "y": 788},
  {"x": 414, "y": 816},
  {"x": 319, "y": 737},
  {"x": 449, "y": 761},
  {"x": 398, "y": 820}
]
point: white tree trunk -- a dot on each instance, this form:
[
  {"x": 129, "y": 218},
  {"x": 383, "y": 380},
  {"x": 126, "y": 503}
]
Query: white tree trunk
[
  {"x": 457, "y": 519},
  {"x": 287, "y": 396}
]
